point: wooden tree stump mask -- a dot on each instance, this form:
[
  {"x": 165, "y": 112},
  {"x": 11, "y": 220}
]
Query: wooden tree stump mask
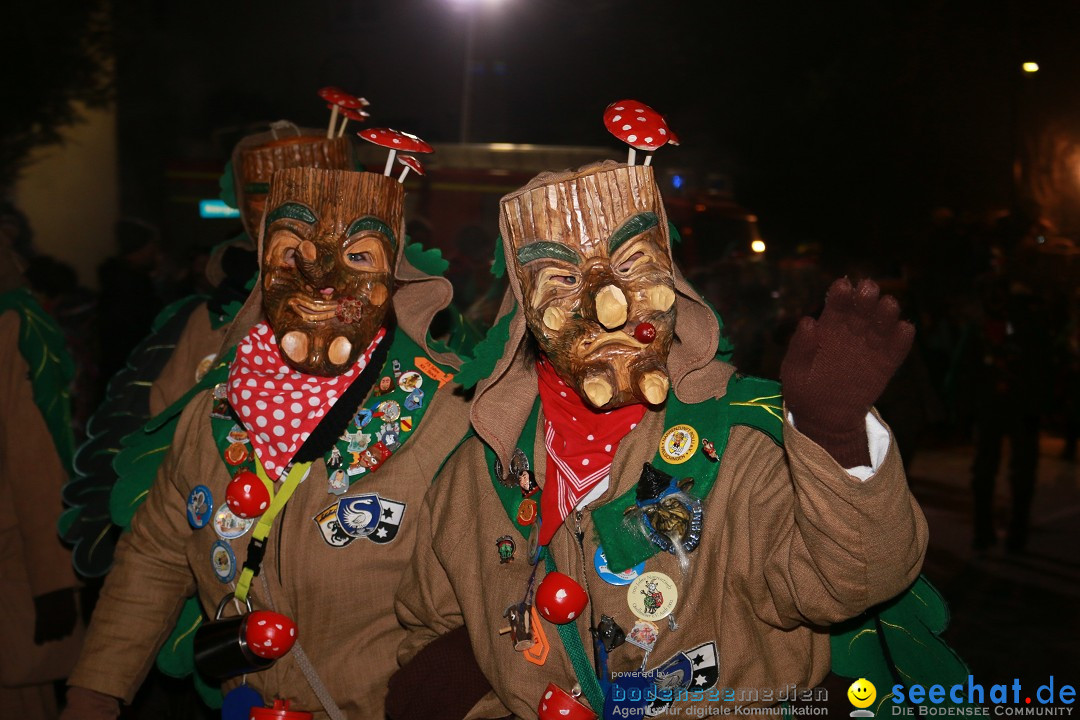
[
  {"x": 328, "y": 255},
  {"x": 590, "y": 253},
  {"x": 258, "y": 157}
]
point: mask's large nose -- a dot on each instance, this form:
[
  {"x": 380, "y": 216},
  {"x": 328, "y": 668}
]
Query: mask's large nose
[
  {"x": 611, "y": 307},
  {"x": 313, "y": 265}
]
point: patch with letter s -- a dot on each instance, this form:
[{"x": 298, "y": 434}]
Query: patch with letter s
[{"x": 369, "y": 516}]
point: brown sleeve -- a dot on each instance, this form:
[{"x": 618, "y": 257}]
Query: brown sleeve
[
  {"x": 425, "y": 602},
  {"x": 33, "y": 468},
  {"x": 148, "y": 584},
  {"x": 832, "y": 545},
  {"x": 196, "y": 341}
]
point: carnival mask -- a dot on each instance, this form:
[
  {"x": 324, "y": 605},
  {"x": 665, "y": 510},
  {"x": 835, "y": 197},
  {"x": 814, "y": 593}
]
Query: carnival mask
[
  {"x": 258, "y": 157},
  {"x": 589, "y": 250},
  {"x": 327, "y": 264}
]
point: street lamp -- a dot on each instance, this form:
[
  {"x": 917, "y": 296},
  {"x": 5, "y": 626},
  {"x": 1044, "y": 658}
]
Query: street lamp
[
  {"x": 1030, "y": 67},
  {"x": 470, "y": 8}
]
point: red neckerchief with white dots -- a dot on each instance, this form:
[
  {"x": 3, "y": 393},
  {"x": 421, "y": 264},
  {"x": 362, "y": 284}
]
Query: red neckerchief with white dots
[
  {"x": 581, "y": 444},
  {"x": 280, "y": 406}
]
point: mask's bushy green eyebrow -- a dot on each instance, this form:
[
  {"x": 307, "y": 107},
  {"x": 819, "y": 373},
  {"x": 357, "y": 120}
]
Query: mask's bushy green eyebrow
[
  {"x": 632, "y": 228},
  {"x": 294, "y": 211},
  {"x": 372, "y": 223},
  {"x": 546, "y": 249}
]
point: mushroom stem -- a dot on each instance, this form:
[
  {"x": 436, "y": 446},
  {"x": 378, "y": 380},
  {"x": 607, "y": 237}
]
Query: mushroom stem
[
  {"x": 401, "y": 177},
  {"x": 333, "y": 122},
  {"x": 648, "y": 160},
  {"x": 344, "y": 122},
  {"x": 631, "y": 156},
  {"x": 390, "y": 162}
]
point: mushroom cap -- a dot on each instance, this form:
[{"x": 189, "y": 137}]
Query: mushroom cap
[
  {"x": 331, "y": 93},
  {"x": 349, "y": 102},
  {"x": 401, "y": 141},
  {"x": 636, "y": 124},
  {"x": 355, "y": 114},
  {"x": 672, "y": 138},
  {"x": 412, "y": 162}
]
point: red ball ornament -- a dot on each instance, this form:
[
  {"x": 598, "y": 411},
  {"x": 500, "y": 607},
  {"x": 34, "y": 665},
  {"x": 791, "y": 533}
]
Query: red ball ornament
[
  {"x": 645, "y": 333},
  {"x": 559, "y": 599},
  {"x": 246, "y": 496},
  {"x": 269, "y": 634},
  {"x": 557, "y": 704},
  {"x": 280, "y": 711}
]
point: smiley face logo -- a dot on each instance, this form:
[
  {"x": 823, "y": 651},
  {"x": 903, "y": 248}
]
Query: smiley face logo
[{"x": 862, "y": 694}]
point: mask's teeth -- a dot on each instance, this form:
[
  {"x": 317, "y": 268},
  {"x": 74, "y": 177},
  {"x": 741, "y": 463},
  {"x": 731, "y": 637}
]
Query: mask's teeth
[
  {"x": 295, "y": 345},
  {"x": 654, "y": 387},
  {"x": 340, "y": 349},
  {"x": 598, "y": 390}
]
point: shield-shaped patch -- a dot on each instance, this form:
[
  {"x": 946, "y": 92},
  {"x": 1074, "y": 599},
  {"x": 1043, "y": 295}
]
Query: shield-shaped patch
[
  {"x": 389, "y": 521},
  {"x": 330, "y": 528},
  {"x": 359, "y": 515},
  {"x": 692, "y": 670}
]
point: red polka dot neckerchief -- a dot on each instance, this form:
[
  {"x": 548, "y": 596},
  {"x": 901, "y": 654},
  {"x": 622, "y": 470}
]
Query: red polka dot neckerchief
[
  {"x": 280, "y": 406},
  {"x": 581, "y": 444}
]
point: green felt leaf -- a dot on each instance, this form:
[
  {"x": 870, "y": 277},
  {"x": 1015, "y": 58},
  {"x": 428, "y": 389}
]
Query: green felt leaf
[
  {"x": 177, "y": 656},
  {"x": 673, "y": 233},
  {"x": 498, "y": 263},
  {"x": 429, "y": 261},
  {"x": 899, "y": 642},
  {"x": 487, "y": 352}
]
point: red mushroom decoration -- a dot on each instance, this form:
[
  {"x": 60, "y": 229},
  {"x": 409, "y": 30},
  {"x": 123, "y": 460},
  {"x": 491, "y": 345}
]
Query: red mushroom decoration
[
  {"x": 637, "y": 125},
  {"x": 559, "y": 598},
  {"x": 351, "y": 114},
  {"x": 338, "y": 99},
  {"x": 410, "y": 163},
  {"x": 269, "y": 634},
  {"x": 280, "y": 711},
  {"x": 396, "y": 141},
  {"x": 557, "y": 704},
  {"x": 246, "y": 495}
]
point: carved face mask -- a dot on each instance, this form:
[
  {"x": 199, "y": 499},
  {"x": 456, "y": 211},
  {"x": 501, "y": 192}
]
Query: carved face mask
[
  {"x": 258, "y": 157},
  {"x": 590, "y": 254},
  {"x": 327, "y": 264}
]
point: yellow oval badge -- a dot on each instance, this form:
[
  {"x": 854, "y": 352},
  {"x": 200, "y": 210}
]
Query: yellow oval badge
[{"x": 678, "y": 444}]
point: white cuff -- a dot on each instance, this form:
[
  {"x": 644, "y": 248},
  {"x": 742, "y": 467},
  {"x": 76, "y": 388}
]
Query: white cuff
[{"x": 878, "y": 437}]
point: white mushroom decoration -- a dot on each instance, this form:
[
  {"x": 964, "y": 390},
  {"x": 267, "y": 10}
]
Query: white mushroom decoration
[
  {"x": 410, "y": 163},
  {"x": 397, "y": 141},
  {"x": 637, "y": 125}
]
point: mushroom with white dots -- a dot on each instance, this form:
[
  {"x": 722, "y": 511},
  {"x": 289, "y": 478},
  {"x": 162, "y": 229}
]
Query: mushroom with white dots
[
  {"x": 410, "y": 163},
  {"x": 351, "y": 114},
  {"x": 637, "y": 125},
  {"x": 396, "y": 141},
  {"x": 338, "y": 99}
]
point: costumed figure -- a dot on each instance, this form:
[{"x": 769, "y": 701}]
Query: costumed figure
[
  {"x": 39, "y": 629},
  {"x": 122, "y": 446},
  {"x": 338, "y": 307},
  {"x": 719, "y": 567}
]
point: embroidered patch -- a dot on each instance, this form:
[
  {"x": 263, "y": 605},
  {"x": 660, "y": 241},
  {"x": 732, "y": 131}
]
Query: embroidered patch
[{"x": 693, "y": 670}]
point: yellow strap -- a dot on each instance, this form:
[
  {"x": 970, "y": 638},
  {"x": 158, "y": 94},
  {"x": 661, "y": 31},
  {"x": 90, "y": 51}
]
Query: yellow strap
[{"x": 262, "y": 528}]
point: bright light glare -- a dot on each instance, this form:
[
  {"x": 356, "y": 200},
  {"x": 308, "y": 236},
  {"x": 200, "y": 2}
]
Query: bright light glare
[
  {"x": 1030, "y": 67},
  {"x": 758, "y": 246}
]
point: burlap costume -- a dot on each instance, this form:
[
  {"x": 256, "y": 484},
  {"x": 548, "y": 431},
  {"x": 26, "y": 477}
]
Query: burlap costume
[
  {"x": 791, "y": 542},
  {"x": 340, "y": 597}
]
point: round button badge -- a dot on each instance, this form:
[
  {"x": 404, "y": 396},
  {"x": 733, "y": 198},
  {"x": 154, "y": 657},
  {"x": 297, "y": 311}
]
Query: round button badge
[
  {"x": 229, "y": 525},
  {"x": 613, "y": 578},
  {"x": 200, "y": 506},
  {"x": 678, "y": 444},
  {"x": 652, "y": 596},
  {"x": 223, "y": 561}
]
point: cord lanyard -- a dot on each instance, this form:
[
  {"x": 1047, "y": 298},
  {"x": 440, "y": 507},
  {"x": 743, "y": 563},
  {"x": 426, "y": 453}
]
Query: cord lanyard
[{"x": 257, "y": 547}]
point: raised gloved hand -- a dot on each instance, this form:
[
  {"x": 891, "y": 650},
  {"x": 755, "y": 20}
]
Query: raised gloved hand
[
  {"x": 450, "y": 659},
  {"x": 83, "y": 704},
  {"x": 54, "y": 615},
  {"x": 836, "y": 367}
]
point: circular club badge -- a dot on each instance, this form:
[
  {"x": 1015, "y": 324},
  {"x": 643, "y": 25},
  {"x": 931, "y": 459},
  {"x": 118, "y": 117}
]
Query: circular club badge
[
  {"x": 228, "y": 525},
  {"x": 652, "y": 596},
  {"x": 200, "y": 506},
  {"x": 678, "y": 444},
  {"x": 613, "y": 578},
  {"x": 410, "y": 381},
  {"x": 223, "y": 561}
]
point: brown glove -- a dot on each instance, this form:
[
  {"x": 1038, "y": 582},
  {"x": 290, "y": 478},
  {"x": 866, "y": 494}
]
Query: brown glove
[
  {"x": 450, "y": 659},
  {"x": 83, "y": 704},
  {"x": 836, "y": 367},
  {"x": 54, "y": 615}
]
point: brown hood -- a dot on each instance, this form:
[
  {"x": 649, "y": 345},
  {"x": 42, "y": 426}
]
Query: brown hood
[
  {"x": 504, "y": 399},
  {"x": 416, "y": 300}
]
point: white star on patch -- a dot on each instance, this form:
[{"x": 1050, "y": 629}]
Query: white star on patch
[
  {"x": 381, "y": 532},
  {"x": 699, "y": 680}
]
